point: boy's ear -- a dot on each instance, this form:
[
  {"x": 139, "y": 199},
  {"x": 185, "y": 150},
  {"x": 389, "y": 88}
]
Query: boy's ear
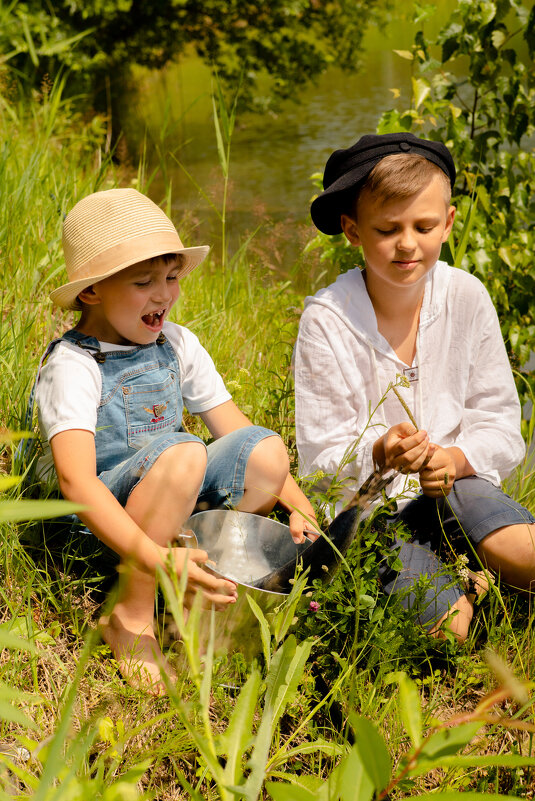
[
  {"x": 350, "y": 229},
  {"x": 450, "y": 216},
  {"x": 89, "y": 296}
]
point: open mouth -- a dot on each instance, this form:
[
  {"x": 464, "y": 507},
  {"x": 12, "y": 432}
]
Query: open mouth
[{"x": 154, "y": 319}]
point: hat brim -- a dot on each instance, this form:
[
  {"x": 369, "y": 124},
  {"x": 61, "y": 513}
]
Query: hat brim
[
  {"x": 66, "y": 296},
  {"x": 328, "y": 207}
]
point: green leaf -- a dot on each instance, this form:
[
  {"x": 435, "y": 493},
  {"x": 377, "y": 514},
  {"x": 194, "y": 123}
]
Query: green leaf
[
  {"x": 14, "y": 511},
  {"x": 29, "y": 40},
  {"x": 258, "y": 760},
  {"x": 237, "y": 736},
  {"x": 465, "y": 233},
  {"x": 19, "y": 626},
  {"x": 11, "y": 640},
  {"x": 284, "y": 618},
  {"x": 420, "y": 90},
  {"x": 289, "y": 792},
  {"x": 453, "y": 795},
  {"x": 264, "y": 629},
  {"x": 498, "y": 37},
  {"x": 10, "y": 714},
  {"x": 446, "y": 742},
  {"x": 15, "y": 436},
  {"x": 407, "y": 54},
  {"x": 487, "y": 12},
  {"x": 219, "y": 139},
  {"x": 64, "y": 44},
  {"x": 469, "y": 761},
  {"x": 410, "y": 709},
  {"x": 8, "y": 481},
  {"x": 323, "y": 746},
  {"x": 283, "y": 678},
  {"x": 354, "y": 782},
  {"x": 372, "y": 751}
]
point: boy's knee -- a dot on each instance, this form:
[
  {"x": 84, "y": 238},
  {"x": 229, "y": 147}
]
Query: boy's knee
[
  {"x": 182, "y": 463},
  {"x": 270, "y": 458},
  {"x": 510, "y": 551}
]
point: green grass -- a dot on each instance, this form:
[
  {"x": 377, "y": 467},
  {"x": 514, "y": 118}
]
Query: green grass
[{"x": 89, "y": 735}]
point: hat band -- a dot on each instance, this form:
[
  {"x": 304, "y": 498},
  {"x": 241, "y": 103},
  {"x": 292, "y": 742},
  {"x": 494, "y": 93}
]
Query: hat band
[{"x": 133, "y": 250}]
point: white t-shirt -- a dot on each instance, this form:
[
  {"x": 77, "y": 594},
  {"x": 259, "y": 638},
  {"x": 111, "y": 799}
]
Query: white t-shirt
[
  {"x": 461, "y": 387},
  {"x": 70, "y": 385}
]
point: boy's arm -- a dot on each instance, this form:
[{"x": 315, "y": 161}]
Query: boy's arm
[
  {"x": 75, "y": 462},
  {"x": 224, "y": 419}
]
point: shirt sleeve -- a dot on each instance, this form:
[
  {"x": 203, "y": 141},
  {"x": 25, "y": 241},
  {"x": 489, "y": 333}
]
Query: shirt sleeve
[
  {"x": 201, "y": 385},
  {"x": 68, "y": 391},
  {"x": 490, "y": 434},
  {"x": 333, "y": 431}
]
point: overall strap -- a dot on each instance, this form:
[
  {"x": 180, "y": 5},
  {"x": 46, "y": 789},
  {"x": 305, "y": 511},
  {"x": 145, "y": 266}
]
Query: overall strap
[
  {"x": 92, "y": 345},
  {"x": 87, "y": 343},
  {"x": 72, "y": 336}
]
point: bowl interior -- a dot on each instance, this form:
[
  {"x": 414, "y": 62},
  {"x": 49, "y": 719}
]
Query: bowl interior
[{"x": 244, "y": 547}]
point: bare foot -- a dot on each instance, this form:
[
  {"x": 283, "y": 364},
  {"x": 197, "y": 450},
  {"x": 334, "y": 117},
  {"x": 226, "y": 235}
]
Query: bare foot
[
  {"x": 459, "y": 617},
  {"x": 477, "y": 584},
  {"x": 137, "y": 653}
]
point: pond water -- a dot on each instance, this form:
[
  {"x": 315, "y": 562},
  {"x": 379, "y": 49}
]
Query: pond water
[{"x": 273, "y": 156}]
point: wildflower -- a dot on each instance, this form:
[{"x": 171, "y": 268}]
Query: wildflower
[{"x": 314, "y": 606}]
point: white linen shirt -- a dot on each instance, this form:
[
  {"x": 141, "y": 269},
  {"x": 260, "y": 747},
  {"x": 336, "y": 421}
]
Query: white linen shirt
[
  {"x": 70, "y": 386},
  {"x": 463, "y": 395}
]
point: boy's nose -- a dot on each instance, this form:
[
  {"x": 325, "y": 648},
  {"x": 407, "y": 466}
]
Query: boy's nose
[
  {"x": 161, "y": 291},
  {"x": 406, "y": 240}
]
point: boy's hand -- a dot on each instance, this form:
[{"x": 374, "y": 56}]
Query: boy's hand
[
  {"x": 403, "y": 448},
  {"x": 438, "y": 475},
  {"x": 217, "y": 591},
  {"x": 302, "y": 527}
]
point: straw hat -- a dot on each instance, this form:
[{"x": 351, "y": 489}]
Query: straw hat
[{"x": 108, "y": 231}]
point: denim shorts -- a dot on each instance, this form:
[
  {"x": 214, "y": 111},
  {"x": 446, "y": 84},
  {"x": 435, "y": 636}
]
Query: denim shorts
[
  {"x": 223, "y": 483},
  {"x": 456, "y": 523}
]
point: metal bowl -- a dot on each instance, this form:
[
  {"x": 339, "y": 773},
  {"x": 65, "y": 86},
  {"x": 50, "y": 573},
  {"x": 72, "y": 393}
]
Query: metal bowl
[{"x": 244, "y": 548}]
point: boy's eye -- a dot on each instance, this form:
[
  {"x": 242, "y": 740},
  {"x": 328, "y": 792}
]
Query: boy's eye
[
  {"x": 142, "y": 283},
  {"x": 172, "y": 277},
  {"x": 386, "y": 233}
]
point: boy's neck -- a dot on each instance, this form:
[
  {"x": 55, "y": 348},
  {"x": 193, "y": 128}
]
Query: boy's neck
[
  {"x": 398, "y": 316},
  {"x": 394, "y": 303}
]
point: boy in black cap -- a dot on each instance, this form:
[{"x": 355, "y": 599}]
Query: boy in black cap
[{"x": 407, "y": 313}]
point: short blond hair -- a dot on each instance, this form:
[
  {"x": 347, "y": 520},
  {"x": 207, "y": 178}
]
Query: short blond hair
[{"x": 400, "y": 176}]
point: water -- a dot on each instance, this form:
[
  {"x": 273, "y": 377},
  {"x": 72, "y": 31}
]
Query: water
[{"x": 273, "y": 156}]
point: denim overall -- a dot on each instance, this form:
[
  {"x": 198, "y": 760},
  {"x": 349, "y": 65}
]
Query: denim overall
[
  {"x": 140, "y": 406},
  {"x": 140, "y": 416}
]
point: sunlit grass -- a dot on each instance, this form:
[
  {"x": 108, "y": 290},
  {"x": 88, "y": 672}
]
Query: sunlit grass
[{"x": 82, "y": 724}]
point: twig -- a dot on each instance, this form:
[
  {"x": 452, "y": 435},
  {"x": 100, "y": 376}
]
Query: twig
[{"x": 409, "y": 413}]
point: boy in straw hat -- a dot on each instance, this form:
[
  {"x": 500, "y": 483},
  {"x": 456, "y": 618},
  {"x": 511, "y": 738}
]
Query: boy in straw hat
[
  {"x": 110, "y": 398},
  {"x": 409, "y": 314}
]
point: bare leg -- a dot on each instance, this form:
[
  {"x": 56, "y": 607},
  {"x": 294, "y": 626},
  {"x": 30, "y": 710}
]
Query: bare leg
[
  {"x": 267, "y": 469},
  {"x": 510, "y": 551},
  {"x": 160, "y": 504}
]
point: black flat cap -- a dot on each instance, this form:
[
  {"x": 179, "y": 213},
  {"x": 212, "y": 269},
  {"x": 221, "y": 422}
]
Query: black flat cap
[{"x": 346, "y": 169}]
